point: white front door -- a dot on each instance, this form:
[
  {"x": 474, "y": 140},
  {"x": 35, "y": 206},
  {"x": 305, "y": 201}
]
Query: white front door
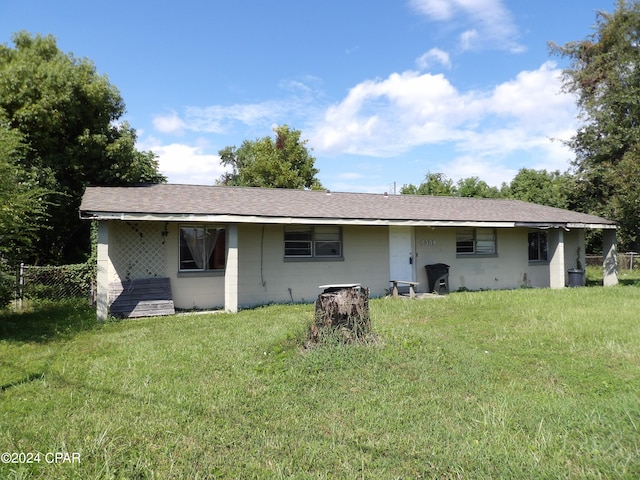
[{"x": 402, "y": 254}]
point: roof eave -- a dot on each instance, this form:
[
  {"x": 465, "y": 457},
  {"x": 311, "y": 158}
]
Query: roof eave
[
  {"x": 230, "y": 218},
  {"x": 593, "y": 226},
  {"x": 233, "y": 218},
  {"x": 566, "y": 225}
]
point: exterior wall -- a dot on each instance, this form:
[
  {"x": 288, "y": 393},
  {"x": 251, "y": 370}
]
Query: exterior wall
[
  {"x": 510, "y": 268},
  {"x": 193, "y": 290},
  {"x": 573, "y": 240},
  {"x": 150, "y": 249},
  {"x": 137, "y": 250},
  {"x": 266, "y": 276},
  {"x": 146, "y": 249}
]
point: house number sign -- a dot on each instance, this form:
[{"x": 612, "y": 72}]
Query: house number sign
[{"x": 427, "y": 243}]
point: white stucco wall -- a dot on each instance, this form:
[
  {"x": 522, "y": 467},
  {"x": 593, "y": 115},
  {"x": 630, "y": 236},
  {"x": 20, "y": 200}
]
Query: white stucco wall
[
  {"x": 510, "y": 268},
  {"x": 266, "y": 276},
  {"x": 573, "y": 239},
  {"x": 191, "y": 290}
]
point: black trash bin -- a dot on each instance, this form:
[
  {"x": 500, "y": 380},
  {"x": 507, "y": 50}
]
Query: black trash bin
[
  {"x": 576, "y": 277},
  {"x": 438, "y": 278}
]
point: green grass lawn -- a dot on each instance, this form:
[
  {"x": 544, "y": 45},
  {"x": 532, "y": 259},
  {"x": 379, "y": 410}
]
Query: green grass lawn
[{"x": 510, "y": 384}]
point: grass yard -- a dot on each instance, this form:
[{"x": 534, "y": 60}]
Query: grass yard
[{"x": 510, "y": 384}]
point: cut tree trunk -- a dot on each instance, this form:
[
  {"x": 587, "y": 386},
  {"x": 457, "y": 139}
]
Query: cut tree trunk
[{"x": 345, "y": 310}]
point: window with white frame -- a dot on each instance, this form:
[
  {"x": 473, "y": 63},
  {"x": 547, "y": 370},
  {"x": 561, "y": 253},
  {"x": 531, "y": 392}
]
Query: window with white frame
[
  {"x": 476, "y": 241},
  {"x": 538, "y": 247},
  {"x": 202, "y": 248},
  {"x": 301, "y": 241}
]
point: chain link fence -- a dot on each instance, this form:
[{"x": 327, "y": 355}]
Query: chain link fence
[
  {"x": 626, "y": 261},
  {"x": 55, "y": 282},
  {"x": 78, "y": 281}
]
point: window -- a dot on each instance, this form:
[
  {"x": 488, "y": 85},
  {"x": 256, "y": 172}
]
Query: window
[
  {"x": 202, "y": 248},
  {"x": 478, "y": 241},
  {"x": 310, "y": 242},
  {"x": 538, "y": 247}
]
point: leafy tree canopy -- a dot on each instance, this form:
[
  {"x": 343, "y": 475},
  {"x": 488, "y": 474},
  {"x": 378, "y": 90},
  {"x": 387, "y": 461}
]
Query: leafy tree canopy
[
  {"x": 285, "y": 162},
  {"x": 474, "y": 187},
  {"x": 69, "y": 119},
  {"x": 604, "y": 74},
  {"x": 541, "y": 187},
  {"x": 22, "y": 201},
  {"x": 436, "y": 184},
  {"x": 535, "y": 186}
]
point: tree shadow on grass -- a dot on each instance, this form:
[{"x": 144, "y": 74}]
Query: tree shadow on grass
[{"x": 48, "y": 321}]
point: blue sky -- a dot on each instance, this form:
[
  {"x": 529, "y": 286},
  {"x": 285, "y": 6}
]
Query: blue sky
[{"x": 383, "y": 91}]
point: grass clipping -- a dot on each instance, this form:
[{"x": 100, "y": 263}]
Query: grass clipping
[{"x": 341, "y": 316}]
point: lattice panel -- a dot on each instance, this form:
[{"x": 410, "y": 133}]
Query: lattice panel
[{"x": 138, "y": 250}]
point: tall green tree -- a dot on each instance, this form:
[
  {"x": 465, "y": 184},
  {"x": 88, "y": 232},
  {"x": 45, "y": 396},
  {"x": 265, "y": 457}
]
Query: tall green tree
[
  {"x": 474, "y": 187},
  {"x": 283, "y": 162},
  {"x": 22, "y": 201},
  {"x": 435, "y": 184},
  {"x": 70, "y": 119},
  {"x": 541, "y": 187},
  {"x": 604, "y": 74},
  {"x": 439, "y": 185}
]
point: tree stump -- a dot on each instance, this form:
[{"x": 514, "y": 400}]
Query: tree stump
[{"x": 341, "y": 311}]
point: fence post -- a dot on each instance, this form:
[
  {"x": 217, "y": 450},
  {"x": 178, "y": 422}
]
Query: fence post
[
  {"x": 21, "y": 286},
  {"x": 92, "y": 294}
]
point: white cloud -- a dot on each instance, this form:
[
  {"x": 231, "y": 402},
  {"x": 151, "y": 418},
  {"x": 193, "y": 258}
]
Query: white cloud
[
  {"x": 491, "y": 24},
  {"x": 383, "y": 118},
  {"x": 350, "y": 176},
  {"x": 188, "y": 164},
  {"x": 219, "y": 118},
  {"x": 523, "y": 97},
  {"x": 490, "y": 172},
  {"x": 222, "y": 119},
  {"x": 297, "y": 102},
  {"x": 469, "y": 39},
  {"x": 405, "y": 111},
  {"x": 170, "y": 123},
  {"x": 441, "y": 10},
  {"x": 436, "y": 55}
]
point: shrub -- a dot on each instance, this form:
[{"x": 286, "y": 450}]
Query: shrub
[
  {"x": 55, "y": 283},
  {"x": 7, "y": 287}
]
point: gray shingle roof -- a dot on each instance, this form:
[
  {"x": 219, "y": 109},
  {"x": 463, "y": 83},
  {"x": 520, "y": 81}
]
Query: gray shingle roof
[{"x": 166, "y": 200}]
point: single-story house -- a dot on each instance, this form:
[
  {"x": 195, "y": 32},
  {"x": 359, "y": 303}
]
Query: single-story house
[{"x": 231, "y": 247}]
